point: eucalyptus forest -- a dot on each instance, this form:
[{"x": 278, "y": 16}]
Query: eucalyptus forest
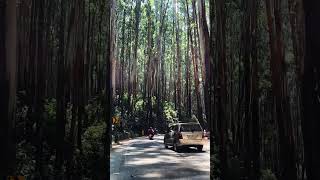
[{"x": 77, "y": 76}]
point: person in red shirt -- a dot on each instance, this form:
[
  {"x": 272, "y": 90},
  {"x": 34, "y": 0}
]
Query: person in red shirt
[{"x": 150, "y": 131}]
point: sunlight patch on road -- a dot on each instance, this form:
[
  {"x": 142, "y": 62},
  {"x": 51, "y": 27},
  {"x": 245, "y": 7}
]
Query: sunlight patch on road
[
  {"x": 143, "y": 161},
  {"x": 151, "y": 175},
  {"x": 133, "y": 153},
  {"x": 152, "y": 153}
]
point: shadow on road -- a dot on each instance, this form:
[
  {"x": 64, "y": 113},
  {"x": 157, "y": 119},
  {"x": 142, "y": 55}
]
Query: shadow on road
[{"x": 188, "y": 150}]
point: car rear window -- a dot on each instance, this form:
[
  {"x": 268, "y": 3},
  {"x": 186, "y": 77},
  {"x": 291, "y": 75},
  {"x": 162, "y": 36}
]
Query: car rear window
[{"x": 190, "y": 127}]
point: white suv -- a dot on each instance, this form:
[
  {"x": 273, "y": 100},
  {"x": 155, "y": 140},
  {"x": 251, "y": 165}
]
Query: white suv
[{"x": 184, "y": 135}]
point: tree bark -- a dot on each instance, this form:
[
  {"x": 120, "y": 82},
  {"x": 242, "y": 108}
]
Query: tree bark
[
  {"x": 310, "y": 91},
  {"x": 133, "y": 77},
  {"x": 8, "y": 50},
  {"x": 208, "y": 61},
  {"x": 178, "y": 58},
  {"x": 108, "y": 84},
  {"x": 279, "y": 83},
  {"x": 252, "y": 135},
  {"x": 221, "y": 88},
  {"x": 60, "y": 95},
  {"x": 195, "y": 68}
]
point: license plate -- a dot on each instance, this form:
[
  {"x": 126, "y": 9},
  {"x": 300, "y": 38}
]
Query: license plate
[{"x": 192, "y": 136}]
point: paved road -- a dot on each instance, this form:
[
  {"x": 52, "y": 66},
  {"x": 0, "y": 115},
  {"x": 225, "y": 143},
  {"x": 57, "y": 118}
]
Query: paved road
[{"x": 142, "y": 158}]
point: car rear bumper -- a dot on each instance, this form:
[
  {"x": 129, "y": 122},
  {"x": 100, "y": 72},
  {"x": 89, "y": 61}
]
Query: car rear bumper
[{"x": 188, "y": 142}]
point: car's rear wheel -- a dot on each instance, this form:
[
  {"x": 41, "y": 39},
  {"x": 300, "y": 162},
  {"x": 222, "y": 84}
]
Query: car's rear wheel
[
  {"x": 200, "y": 148},
  {"x": 176, "y": 148}
]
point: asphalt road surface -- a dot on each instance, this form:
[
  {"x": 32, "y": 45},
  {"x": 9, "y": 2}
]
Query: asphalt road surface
[{"x": 142, "y": 158}]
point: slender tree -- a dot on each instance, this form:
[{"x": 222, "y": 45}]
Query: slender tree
[
  {"x": 221, "y": 86},
  {"x": 195, "y": 66},
  {"x": 108, "y": 84},
  {"x": 178, "y": 57},
  {"x": 60, "y": 93},
  {"x": 206, "y": 56}
]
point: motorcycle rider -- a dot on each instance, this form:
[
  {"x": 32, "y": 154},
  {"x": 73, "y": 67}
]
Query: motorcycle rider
[{"x": 151, "y": 132}]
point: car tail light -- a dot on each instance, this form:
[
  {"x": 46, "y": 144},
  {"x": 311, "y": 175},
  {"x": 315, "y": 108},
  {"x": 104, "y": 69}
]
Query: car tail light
[
  {"x": 203, "y": 135},
  {"x": 180, "y": 136}
]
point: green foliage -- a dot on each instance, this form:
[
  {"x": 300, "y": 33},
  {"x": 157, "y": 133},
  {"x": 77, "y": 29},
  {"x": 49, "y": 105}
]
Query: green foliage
[
  {"x": 267, "y": 175},
  {"x": 138, "y": 117},
  {"x": 50, "y": 109},
  {"x": 139, "y": 105},
  {"x": 169, "y": 112},
  {"x": 93, "y": 139},
  {"x": 154, "y": 101},
  {"x": 25, "y": 162},
  {"x": 49, "y": 123},
  {"x": 125, "y": 96},
  {"x": 94, "y": 111},
  {"x": 50, "y": 120},
  {"x": 117, "y": 111},
  {"x": 93, "y": 144},
  {"x": 22, "y": 108}
]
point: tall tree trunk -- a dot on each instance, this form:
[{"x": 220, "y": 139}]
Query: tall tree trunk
[
  {"x": 279, "y": 82},
  {"x": 133, "y": 77},
  {"x": 221, "y": 88},
  {"x": 129, "y": 67},
  {"x": 178, "y": 57},
  {"x": 195, "y": 67},
  {"x": 60, "y": 94},
  {"x": 296, "y": 17},
  {"x": 149, "y": 67},
  {"x": 208, "y": 60},
  {"x": 188, "y": 78},
  {"x": 310, "y": 90},
  {"x": 122, "y": 62},
  {"x": 40, "y": 87},
  {"x": 8, "y": 46},
  {"x": 252, "y": 138},
  {"x": 108, "y": 87},
  {"x": 254, "y": 109}
]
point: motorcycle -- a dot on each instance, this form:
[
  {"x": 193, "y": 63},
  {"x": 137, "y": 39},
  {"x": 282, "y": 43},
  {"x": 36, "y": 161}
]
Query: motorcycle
[
  {"x": 151, "y": 136},
  {"x": 151, "y": 133}
]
